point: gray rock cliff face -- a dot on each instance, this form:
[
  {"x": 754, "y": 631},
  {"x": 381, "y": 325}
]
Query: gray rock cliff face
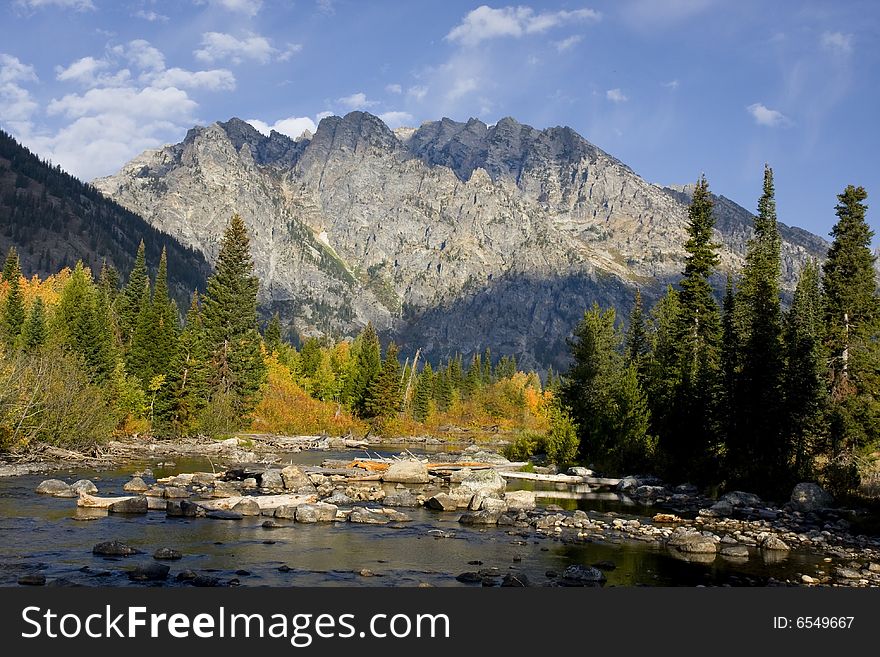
[{"x": 452, "y": 237}]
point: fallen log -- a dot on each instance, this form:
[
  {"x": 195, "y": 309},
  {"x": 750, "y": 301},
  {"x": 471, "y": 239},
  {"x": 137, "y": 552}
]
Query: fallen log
[
  {"x": 266, "y": 502},
  {"x": 93, "y": 502}
]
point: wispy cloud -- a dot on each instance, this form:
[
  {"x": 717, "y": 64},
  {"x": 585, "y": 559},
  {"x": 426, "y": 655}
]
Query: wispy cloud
[
  {"x": 568, "y": 43},
  {"x": 484, "y": 23},
  {"x": 767, "y": 117},
  {"x": 653, "y": 15},
  {"x": 247, "y": 7},
  {"x": 293, "y": 126},
  {"x": 394, "y": 88},
  {"x": 396, "y": 119},
  {"x": 418, "y": 92},
  {"x": 837, "y": 42},
  {"x": 616, "y": 96},
  {"x": 77, "y": 5},
  {"x": 356, "y": 101},
  {"x": 218, "y": 46},
  {"x": 671, "y": 84},
  {"x": 150, "y": 16},
  {"x": 16, "y": 103}
]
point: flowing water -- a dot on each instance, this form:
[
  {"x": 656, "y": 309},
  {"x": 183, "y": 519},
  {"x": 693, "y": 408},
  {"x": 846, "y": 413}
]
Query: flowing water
[{"x": 40, "y": 534}]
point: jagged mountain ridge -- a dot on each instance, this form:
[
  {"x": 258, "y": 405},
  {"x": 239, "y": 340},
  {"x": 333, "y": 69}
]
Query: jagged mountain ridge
[
  {"x": 452, "y": 237},
  {"x": 53, "y": 220}
]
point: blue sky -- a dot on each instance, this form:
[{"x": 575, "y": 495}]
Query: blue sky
[{"x": 673, "y": 88}]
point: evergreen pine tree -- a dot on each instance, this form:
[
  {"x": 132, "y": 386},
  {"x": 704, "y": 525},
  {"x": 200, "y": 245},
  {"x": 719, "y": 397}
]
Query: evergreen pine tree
[
  {"x": 35, "y": 332},
  {"x": 805, "y": 372},
  {"x": 13, "y": 311},
  {"x": 367, "y": 365},
  {"x": 636, "y": 344},
  {"x": 423, "y": 393},
  {"x": 230, "y": 321},
  {"x": 474, "y": 379},
  {"x": 385, "y": 396},
  {"x": 730, "y": 354},
  {"x": 852, "y": 336},
  {"x": 139, "y": 357},
  {"x": 128, "y": 302},
  {"x": 757, "y": 451}
]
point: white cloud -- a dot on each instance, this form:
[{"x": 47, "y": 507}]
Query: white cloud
[
  {"x": 485, "y": 23},
  {"x": 141, "y": 54},
  {"x": 77, "y": 5},
  {"x": 462, "y": 87},
  {"x": 616, "y": 96},
  {"x": 150, "y": 102},
  {"x": 394, "y": 88},
  {"x": 396, "y": 119},
  {"x": 293, "y": 126},
  {"x": 357, "y": 101},
  {"x": 248, "y": 7},
  {"x": 213, "y": 80},
  {"x": 151, "y": 16},
  {"x": 568, "y": 43},
  {"x": 418, "y": 92},
  {"x": 16, "y": 104},
  {"x": 766, "y": 116},
  {"x": 218, "y": 45},
  {"x": 82, "y": 70},
  {"x": 326, "y": 6},
  {"x": 672, "y": 84},
  {"x": 837, "y": 42},
  {"x": 290, "y": 51},
  {"x": 323, "y": 115}
]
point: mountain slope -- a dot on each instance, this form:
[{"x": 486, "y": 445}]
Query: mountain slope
[
  {"x": 54, "y": 220},
  {"x": 455, "y": 236}
]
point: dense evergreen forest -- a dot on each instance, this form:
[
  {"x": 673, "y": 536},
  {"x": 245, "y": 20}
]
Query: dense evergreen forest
[
  {"x": 743, "y": 393},
  {"x": 55, "y": 220}
]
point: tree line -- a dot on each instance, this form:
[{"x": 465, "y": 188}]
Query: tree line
[{"x": 742, "y": 392}]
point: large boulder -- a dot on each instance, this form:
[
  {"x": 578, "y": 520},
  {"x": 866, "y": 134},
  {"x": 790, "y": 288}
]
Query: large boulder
[
  {"x": 406, "y": 472},
  {"x": 808, "y": 496},
  {"x": 441, "y": 502},
  {"x": 404, "y": 498},
  {"x": 84, "y": 486},
  {"x": 296, "y": 480},
  {"x": 580, "y": 575},
  {"x": 135, "y": 485},
  {"x": 56, "y": 488},
  {"x": 137, "y": 504},
  {"x": 286, "y": 512},
  {"x": 319, "y": 512},
  {"x": 248, "y": 506},
  {"x": 739, "y": 498},
  {"x": 692, "y": 542},
  {"x": 271, "y": 480},
  {"x": 487, "y": 479},
  {"x": 520, "y": 500}
]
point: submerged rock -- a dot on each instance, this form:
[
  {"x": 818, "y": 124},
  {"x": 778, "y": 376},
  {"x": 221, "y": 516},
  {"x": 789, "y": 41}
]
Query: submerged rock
[
  {"x": 581, "y": 575},
  {"x": 154, "y": 572},
  {"x": 484, "y": 517},
  {"x": 222, "y": 514},
  {"x": 114, "y": 549},
  {"x": 32, "y": 579},
  {"x": 137, "y": 504},
  {"x": 693, "y": 543},
  {"x": 735, "y": 551},
  {"x": 167, "y": 554}
]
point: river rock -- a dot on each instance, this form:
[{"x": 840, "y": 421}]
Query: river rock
[
  {"x": 84, "y": 486},
  {"x": 223, "y": 489},
  {"x": 627, "y": 485},
  {"x": 183, "y": 509},
  {"x": 204, "y": 478},
  {"x": 517, "y": 580},
  {"x": 135, "y": 485},
  {"x": 137, "y": 504},
  {"x": 520, "y": 500},
  {"x": 579, "y": 471},
  {"x": 167, "y": 554},
  {"x": 492, "y": 504},
  {"x": 56, "y": 488},
  {"x": 247, "y": 507},
  {"x": 32, "y": 579},
  {"x": 735, "y": 551},
  {"x": 296, "y": 480},
  {"x": 174, "y": 493},
  {"x": 441, "y": 502},
  {"x": 272, "y": 480},
  {"x": 693, "y": 543},
  {"x": 469, "y": 578},
  {"x": 487, "y": 479},
  {"x": 740, "y": 498},
  {"x": 223, "y": 514},
  {"x": 286, "y": 512},
  {"x": 319, "y": 512},
  {"x": 808, "y": 496},
  {"x": 721, "y": 509},
  {"x": 368, "y": 516},
  {"x": 339, "y": 498},
  {"x": 404, "y": 498},
  {"x": 773, "y": 542},
  {"x": 406, "y": 472},
  {"x": 154, "y": 572},
  {"x": 581, "y": 575},
  {"x": 484, "y": 517},
  {"x": 114, "y": 549}
]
